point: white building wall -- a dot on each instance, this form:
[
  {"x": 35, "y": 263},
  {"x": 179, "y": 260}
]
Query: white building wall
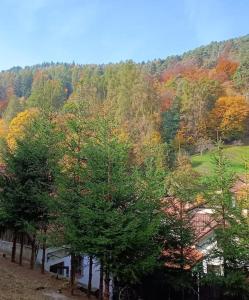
[
  {"x": 84, "y": 278},
  {"x": 6, "y": 247},
  {"x": 206, "y": 246}
]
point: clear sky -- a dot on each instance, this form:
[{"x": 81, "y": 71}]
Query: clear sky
[{"x": 102, "y": 31}]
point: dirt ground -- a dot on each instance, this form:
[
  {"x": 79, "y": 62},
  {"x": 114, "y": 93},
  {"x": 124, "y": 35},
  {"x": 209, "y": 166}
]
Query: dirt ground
[{"x": 21, "y": 283}]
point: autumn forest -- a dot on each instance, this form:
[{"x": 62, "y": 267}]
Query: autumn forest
[
  {"x": 97, "y": 160},
  {"x": 185, "y": 101}
]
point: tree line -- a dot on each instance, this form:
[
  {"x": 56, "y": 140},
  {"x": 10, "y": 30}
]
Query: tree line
[{"x": 186, "y": 101}]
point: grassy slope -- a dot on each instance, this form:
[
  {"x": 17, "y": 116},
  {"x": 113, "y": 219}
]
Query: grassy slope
[{"x": 237, "y": 155}]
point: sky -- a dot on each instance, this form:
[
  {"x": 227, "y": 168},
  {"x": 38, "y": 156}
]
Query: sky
[{"x": 103, "y": 31}]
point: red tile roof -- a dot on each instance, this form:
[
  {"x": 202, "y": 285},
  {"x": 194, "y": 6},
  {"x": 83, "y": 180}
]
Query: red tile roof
[
  {"x": 191, "y": 257},
  {"x": 200, "y": 219}
]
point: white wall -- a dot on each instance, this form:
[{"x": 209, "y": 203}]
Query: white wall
[
  {"x": 206, "y": 246},
  {"x": 95, "y": 279},
  {"x": 6, "y": 247}
]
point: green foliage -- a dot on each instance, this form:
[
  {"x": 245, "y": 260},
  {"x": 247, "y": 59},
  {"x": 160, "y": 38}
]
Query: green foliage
[
  {"x": 110, "y": 210},
  {"x": 183, "y": 182},
  {"x": 94, "y": 159},
  {"x": 234, "y": 285},
  {"x": 132, "y": 93},
  {"x": 47, "y": 93},
  {"x": 197, "y": 99},
  {"x": 232, "y": 231},
  {"x": 23, "y": 83},
  {"x": 241, "y": 77},
  {"x": 90, "y": 86},
  {"x": 171, "y": 122},
  {"x": 183, "y": 185},
  {"x": 14, "y": 107},
  {"x": 27, "y": 182},
  {"x": 237, "y": 156}
]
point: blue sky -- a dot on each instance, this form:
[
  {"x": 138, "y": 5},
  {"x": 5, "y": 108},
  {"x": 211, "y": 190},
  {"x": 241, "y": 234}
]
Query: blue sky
[{"x": 102, "y": 31}]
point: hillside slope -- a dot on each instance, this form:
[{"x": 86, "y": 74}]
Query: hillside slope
[
  {"x": 183, "y": 100},
  {"x": 21, "y": 283},
  {"x": 237, "y": 156}
]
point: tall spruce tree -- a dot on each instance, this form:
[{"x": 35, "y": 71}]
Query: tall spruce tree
[
  {"x": 27, "y": 183},
  {"x": 112, "y": 209}
]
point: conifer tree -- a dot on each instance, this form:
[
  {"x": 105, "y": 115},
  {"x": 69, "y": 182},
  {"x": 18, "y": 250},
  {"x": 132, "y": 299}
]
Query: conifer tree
[
  {"x": 232, "y": 230},
  {"x": 111, "y": 210},
  {"x": 27, "y": 183}
]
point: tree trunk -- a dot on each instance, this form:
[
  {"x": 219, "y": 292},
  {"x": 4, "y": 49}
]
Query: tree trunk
[
  {"x": 89, "y": 286},
  {"x": 21, "y": 249},
  {"x": 32, "y": 259},
  {"x": 43, "y": 256},
  {"x": 224, "y": 228},
  {"x": 115, "y": 291},
  {"x": 101, "y": 276},
  {"x": 107, "y": 285},
  {"x": 72, "y": 273},
  {"x": 13, "y": 254}
]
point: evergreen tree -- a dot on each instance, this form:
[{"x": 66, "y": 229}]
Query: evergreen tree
[
  {"x": 232, "y": 228},
  {"x": 170, "y": 122},
  {"x": 46, "y": 93},
  {"x": 111, "y": 214},
  {"x": 183, "y": 186},
  {"x": 14, "y": 107},
  {"x": 27, "y": 183}
]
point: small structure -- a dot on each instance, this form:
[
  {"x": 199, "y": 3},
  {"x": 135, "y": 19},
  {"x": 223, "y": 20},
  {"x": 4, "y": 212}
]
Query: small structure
[{"x": 57, "y": 260}]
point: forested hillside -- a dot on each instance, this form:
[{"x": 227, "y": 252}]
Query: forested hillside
[
  {"x": 94, "y": 160},
  {"x": 185, "y": 101}
]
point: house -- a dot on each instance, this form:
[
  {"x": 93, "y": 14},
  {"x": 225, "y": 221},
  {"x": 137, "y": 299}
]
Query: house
[
  {"x": 203, "y": 222},
  {"x": 200, "y": 221},
  {"x": 57, "y": 260}
]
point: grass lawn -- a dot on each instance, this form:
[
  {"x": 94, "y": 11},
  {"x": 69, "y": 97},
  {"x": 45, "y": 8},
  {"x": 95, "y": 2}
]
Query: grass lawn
[{"x": 237, "y": 155}]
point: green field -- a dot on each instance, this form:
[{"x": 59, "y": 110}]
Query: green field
[{"x": 237, "y": 156}]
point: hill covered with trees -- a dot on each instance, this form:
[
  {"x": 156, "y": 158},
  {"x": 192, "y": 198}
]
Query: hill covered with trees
[
  {"x": 185, "y": 101},
  {"x": 93, "y": 159}
]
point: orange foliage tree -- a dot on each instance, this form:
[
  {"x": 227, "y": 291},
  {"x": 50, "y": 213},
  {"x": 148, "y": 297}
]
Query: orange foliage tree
[
  {"x": 225, "y": 69},
  {"x": 229, "y": 118},
  {"x": 187, "y": 70}
]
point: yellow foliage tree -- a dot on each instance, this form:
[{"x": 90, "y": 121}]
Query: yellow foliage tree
[
  {"x": 17, "y": 126},
  {"x": 3, "y": 129},
  {"x": 229, "y": 117}
]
